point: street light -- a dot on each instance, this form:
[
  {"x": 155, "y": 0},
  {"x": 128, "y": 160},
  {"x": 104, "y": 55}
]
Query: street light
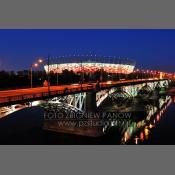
[
  {"x": 36, "y": 65},
  {"x": 31, "y": 73},
  {"x": 39, "y": 61},
  {"x": 82, "y": 74},
  {"x": 101, "y": 74},
  {"x": 48, "y": 75},
  {"x": 57, "y": 74}
]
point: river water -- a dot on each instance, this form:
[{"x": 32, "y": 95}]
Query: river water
[{"x": 151, "y": 123}]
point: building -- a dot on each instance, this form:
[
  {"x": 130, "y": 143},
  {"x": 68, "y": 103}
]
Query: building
[{"x": 91, "y": 64}]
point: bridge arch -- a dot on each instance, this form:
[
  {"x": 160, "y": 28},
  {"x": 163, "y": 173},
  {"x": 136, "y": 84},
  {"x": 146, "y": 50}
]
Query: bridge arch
[{"x": 74, "y": 102}]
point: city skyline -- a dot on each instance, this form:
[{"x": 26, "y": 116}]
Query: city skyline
[{"x": 151, "y": 49}]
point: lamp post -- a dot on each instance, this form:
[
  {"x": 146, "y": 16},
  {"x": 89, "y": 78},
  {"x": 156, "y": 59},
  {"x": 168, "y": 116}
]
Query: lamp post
[
  {"x": 57, "y": 74},
  {"x": 82, "y": 76},
  {"x": 101, "y": 74},
  {"x": 31, "y": 74},
  {"x": 31, "y": 77},
  {"x": 48, "y": 75},
  {"x": 39, "y": 61}
]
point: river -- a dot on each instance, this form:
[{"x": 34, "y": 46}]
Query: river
[{"x": 153, "y": 125}]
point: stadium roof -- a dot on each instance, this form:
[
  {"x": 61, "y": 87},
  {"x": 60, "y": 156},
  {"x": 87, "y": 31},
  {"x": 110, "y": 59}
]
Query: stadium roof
[{"x": 90, "y": 58}]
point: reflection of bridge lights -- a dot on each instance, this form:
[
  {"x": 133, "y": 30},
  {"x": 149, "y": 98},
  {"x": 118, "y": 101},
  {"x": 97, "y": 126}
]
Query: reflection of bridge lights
[
  {"x": 36, "y": 103},
  {"x": 131, "y": 130},
  {"x": 154, "y": 121},
  {"x": 136, "y": 140},
  {"x": 142, "y": 136},
  {"x": 146, "y": 131},
  {"x": 158, "y": 117},
  {"x": 160, "y": 113},
  {"x": 140, "y": 124},
  {"x": 151, "y": 126},
  {"x": 126, "y": 136}
]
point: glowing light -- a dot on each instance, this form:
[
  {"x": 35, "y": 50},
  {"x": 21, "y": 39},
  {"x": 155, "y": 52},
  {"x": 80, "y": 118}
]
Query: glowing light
[
  {"x": 91, "y": 67},
  {"x": 151, "y": 126},
  {"x": 75, "y": 84},
  {"x": 158, "y": 117},
  {"x": 146, "y": 131},
  {"x": 36, "y": 103},
  {"x": 141, "y": 136},
  {"x": 109, "y": 82},
  {"x": 126, "y": 136},
  {"x": 40, "y": 60},
  {"x": 36, "y": 65},
  {"x": 136, "y": 140}
]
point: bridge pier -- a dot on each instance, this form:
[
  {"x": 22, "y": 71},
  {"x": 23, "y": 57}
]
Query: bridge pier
[{"x": 91, "y": 105}]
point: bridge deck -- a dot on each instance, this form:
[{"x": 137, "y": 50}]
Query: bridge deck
[{"x": 31, "y": 94}]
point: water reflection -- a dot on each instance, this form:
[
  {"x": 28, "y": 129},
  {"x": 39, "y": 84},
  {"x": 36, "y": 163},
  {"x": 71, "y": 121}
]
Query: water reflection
[
  {"x": 126, "y": 129},
  {"x": 145, "y": 127},
  {"x": 137, "y": 131}
]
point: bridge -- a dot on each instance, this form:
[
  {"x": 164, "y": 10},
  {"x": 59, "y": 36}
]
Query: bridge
[
  {"x": 11, "y": 97},
  {"x": 77, "y": 98}
]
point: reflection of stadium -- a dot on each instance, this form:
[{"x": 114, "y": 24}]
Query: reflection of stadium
[{"x": 90, "y": 65}]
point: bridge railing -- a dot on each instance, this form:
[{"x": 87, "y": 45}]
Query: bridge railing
[{"x": 43, "y": 94}]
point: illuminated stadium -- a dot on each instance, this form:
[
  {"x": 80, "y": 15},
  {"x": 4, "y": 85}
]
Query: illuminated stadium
[{"x": 90, "y": 64}]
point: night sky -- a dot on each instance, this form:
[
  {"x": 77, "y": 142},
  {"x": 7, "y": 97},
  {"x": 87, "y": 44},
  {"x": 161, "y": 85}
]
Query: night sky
[{"x": 151, "y": 49}]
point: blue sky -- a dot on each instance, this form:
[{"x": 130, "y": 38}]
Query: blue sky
[{"x": 153, "y": 49}]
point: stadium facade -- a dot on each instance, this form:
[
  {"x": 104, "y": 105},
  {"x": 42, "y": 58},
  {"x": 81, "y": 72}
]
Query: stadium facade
[{"x": 90, "y": 65}]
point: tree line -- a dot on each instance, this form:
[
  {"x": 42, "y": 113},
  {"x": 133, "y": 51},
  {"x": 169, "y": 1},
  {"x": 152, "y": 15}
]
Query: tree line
[{"x": 21, "y": 79}]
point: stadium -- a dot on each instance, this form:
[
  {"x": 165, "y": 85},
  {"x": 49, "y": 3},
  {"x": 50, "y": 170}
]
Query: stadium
[{"x": 90, "y": 64}]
